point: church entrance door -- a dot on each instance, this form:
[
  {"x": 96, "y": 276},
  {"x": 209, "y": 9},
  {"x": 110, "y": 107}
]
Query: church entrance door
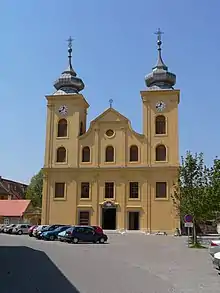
[{"x": 109, "y": 216}]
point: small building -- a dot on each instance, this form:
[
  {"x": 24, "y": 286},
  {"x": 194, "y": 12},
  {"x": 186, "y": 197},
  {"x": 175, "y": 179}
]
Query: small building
[
  {"x": 12, "y": 189},
  {"x": 13, "y": 211}
]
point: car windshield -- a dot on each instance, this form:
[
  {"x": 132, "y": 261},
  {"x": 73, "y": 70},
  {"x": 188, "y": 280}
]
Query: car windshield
[{"x": 59, "y": 229}]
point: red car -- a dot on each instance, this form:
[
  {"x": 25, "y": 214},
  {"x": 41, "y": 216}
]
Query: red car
[
  {"x": 30, "y": 231},
  {"x": 98, "y": 229}
]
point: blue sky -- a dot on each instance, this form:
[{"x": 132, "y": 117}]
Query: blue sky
[{"x": 114, "y": 49}]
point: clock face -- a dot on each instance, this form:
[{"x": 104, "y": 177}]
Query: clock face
[
  {"x": 160, "y": 106},
  {"x": 63, "y": 110}
]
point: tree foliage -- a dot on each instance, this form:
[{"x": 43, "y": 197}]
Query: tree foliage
[
  {"x": 35, "y": 188},
  {"x": 214, "y": 187},
  {"x": 197, "y": 189}
]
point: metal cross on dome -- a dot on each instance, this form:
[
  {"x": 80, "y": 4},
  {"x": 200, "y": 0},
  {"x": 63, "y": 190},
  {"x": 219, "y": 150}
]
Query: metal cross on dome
[
  {"x": 110, "y": 103},
  {"x": 70, "y": 41},
  {"x": 159, "y": 33}
]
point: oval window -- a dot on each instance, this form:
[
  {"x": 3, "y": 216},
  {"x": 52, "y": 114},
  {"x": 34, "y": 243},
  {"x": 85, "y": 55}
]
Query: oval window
[{"x": 109, "y": 132}]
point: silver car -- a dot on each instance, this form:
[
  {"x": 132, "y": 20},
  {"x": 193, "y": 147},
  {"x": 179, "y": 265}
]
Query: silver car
[
  {"x": 21, "y": 229},
  {"x": 216, "y": 260},
  {"x": 38, "y": 229}
]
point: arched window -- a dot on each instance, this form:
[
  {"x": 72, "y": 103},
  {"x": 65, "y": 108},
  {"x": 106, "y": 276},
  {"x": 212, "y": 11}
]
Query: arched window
[
  {"x": 160, "y": 125},
  {"x": 161, "y": 153},
  {"x": 133, "y": 153},
  {"x": 86, "y": 154},
  {"x": 81, "y": 128},
  {"x": 61, "y": 155},
  {"x": 109, "y": 154},
  {"x": 62, "y": 128}
]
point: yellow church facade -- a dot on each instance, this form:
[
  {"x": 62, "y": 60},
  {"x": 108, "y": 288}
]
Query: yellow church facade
[{"x": 109, "y": 175}]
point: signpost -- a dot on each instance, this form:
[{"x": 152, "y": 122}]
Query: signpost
[{"x": 188, "y": 219}]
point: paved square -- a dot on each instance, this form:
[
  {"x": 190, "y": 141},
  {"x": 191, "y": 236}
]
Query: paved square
[{"x": 130, "y": 263}]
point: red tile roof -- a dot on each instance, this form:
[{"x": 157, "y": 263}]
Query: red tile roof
[{"x": 13, "y": 208}]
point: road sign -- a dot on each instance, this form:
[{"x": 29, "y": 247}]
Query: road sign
[
  {"x": 188, "y": 218},
  {"x": 188, "y": 225}
]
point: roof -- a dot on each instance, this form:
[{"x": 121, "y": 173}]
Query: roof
[
  {"x": 117, "y": 115},
  {"x": 13, "y": 208}
]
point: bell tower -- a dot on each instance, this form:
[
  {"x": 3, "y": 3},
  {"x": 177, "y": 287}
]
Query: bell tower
[
  {"x": 66, "y": 118},
  {"x": 160, "y": 114}
]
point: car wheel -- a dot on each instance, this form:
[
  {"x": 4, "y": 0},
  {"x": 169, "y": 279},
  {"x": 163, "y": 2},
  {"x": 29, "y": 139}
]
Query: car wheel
[
  {"x": 20, "y": 232},
  {"x": 101, "y": 240},
  {"x": 75, "y": 240},
  {"x": 52, "y": 238}
]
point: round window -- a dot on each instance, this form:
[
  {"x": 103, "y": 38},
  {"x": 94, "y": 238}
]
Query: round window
[{"x": 109, "y": 132}]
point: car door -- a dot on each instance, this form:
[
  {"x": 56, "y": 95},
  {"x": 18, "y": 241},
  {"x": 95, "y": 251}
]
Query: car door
[
  {"x": 89, "y": 234},
  {"x": 79, "y": 232}
]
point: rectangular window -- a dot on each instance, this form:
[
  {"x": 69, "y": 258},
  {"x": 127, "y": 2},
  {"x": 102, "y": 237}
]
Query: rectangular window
[
  {"x": 84, "y": 218},
  {"x": 161, "y": 190},
  {"x": 59, "y": 190},
  {"x": 85, "y": 190},
  {"x": 109, "y": 189},
  {"x": 133, "y": 190}
]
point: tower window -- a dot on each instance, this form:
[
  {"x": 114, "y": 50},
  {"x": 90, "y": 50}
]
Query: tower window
[
  {"x": 86, "y": 154},
  {"x": 81, "y": 129},
  {"x": 61, "y": 155},
  {"x": 161, "y": 189},
  {"x": 59, "y": 190},
  {"x": 62, "y": 128},
  {"x": 160, "y": 125},
  {"x": 161, "y": 153},
  {"x": 133, "y": 153},
  {"x": 109, "y": 154}
]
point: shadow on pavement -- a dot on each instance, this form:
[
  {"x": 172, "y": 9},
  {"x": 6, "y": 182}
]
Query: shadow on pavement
[{"x": 26, "y": 270}]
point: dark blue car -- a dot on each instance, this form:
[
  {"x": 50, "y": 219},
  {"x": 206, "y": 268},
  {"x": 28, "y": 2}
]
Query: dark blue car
[
  {"x": 84, "y": 234},
  {"x": 52, "y": 235}
]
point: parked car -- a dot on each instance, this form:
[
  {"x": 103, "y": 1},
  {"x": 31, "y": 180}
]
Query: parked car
[
  {"x": 216, "y": 260},
  {"x": 31, "y": 229},
  {"x": 53, "y": 235},
  {"x": 38, "y": 229},
  {"x": 214, "y": 247},
  {"x": 98, "y": 229},
  {"x": 2, "y": 226},
  {"x": 46, "y": 229},
  {"x": 84, "y": 234},
  {"x": 21, "y": 229},
  {"x": 8, "y": 229},
  {"x": 61, "y": 236}
]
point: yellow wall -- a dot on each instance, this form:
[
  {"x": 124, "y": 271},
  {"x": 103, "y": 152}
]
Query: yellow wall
[{"x": 155, "y": 214}]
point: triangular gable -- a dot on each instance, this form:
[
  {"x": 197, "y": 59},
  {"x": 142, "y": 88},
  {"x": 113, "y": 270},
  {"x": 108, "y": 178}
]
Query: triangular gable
[{"x": 110, "y": 115}]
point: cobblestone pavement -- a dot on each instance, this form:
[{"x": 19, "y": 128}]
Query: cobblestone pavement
[{"x": 134, "y": 263}]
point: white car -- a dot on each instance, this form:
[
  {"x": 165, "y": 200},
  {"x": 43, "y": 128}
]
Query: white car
[
  {"x": 214, "y": 247},
  {"x": 216, "y": 260}
]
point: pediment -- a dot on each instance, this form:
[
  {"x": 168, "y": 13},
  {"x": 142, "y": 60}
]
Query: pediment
[{"x": 110, "y": 115}]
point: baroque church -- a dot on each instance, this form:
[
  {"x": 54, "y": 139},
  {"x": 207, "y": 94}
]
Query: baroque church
[{"x": 110, "y": 175}]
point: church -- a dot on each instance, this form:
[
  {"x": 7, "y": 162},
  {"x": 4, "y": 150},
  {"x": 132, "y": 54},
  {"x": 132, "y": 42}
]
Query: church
[{"x": 110, "y": 175}]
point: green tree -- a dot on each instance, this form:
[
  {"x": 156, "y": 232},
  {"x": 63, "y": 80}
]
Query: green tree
[
  {"x": 34, "y": 190},
  {"x": 214, "y": 188},
  {"x": 191, "y": 191}
]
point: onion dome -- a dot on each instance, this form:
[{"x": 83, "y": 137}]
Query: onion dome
[
  {"x": 160, "y": 77},
  {"x": 68, "y": 82}
]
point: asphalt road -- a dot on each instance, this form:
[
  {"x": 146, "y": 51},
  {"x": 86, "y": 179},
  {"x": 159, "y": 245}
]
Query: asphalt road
[{"x": 128, "y": 264}]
